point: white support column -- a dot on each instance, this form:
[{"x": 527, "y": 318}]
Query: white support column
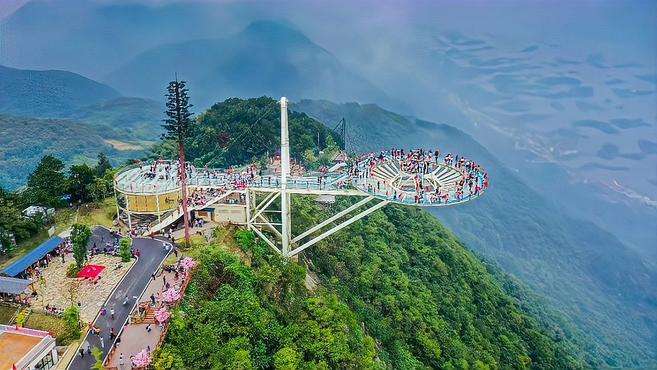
[
  {"x": 127, "y": 208},
  {"x": 259, "y": 210},
  {"x": 285, "y": 171},
  {"x": 336, "y": 228},
  {"x": 157, "y": 202},
  {"x": 248, "y": 208}
]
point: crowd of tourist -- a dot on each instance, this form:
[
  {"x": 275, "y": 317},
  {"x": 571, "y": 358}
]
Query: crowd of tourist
[{"x": 420, "y": 176}]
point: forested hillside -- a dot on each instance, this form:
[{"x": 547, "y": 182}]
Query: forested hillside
[
  {"x": 126, "y": 118},
  {"x": 398, "y": 291},
  {"x": 424, "y": 299},
  {"x": 48, "y": 93},
  {"x": 256, "y": 313},
  {"x": 23, "y": 141},
  {"x": 238, "y": 131},
  {"x": 601, "y": 286}
]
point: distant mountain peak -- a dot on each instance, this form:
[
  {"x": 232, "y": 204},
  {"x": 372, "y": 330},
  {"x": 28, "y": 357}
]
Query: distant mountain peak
[
  {"x": 48, "y": 93},
  {"x": 275, "y": 31}
]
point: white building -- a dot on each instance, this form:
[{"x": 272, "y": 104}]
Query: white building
[
  {"x": 32, "y": 211},
  {"x": 26, "y": 349}
]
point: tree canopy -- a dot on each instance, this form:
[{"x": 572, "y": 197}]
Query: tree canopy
[
  {"x": 80, "y": 235},
  {"x": 238, "y": 131},
  {"x": 47, "y": 184}
]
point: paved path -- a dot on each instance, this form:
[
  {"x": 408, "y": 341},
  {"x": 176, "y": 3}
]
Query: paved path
[{"x": 152, "y": 254}]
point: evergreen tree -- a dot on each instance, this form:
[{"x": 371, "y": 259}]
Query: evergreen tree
[
  {"x": 13, "y": 226},
  {"x": 125, "y": 249},
  {"x": 103, "y": 165},
  {"x": 79, "y": 238},
  {"x": 178, "y": 126},
  {"x": 47, "y": 184},
  {"x": 80, "y": 182}
]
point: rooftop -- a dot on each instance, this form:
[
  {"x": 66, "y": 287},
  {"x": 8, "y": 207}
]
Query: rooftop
[
  {"x": 16, "y": 344},
  {"x": 33, "y": 256}
]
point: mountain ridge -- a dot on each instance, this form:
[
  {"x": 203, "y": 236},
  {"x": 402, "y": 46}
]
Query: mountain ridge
[
  {"x": 48, "y": 93},
  {"x": 265, "y": 58}
]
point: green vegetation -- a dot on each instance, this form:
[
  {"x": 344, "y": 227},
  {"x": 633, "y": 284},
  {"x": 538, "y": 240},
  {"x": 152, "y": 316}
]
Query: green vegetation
[
  {"x": 238, "y": 131},
  {"x": 71, "y": 317},
  {"x": 48, "y": 93},
  {"x": 47, "y": 183},
  {"x": 125, "y": 251},
  {"x": 9, "y": 315},
  {"x": 14, "y": 227},
  {"x": 591, "y": 289},
  {"x": 134, "y": 120},
  {"x": 98, "y": 213},
  {"x": 397, "y": 279},
  {"x": 21, "y": 318},
  {"x": 98, "y": 357},
  {"x": 50, "y": 323},
  {"x": 424, "y": 297},
  {"x": 50, "y": 185},
  {"x": 260, "y": 316},
  {"x": 24, "y": 141},
  {"x": 79, "y": 238}
]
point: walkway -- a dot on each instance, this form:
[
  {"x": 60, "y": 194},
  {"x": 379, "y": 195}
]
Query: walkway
[
  {"x": 135, "y": 337},
  {"x": 152, "y": 255}
]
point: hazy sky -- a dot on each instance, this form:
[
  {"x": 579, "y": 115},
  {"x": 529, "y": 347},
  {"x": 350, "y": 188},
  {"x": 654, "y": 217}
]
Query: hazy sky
[{"x": 8, "y": 6}]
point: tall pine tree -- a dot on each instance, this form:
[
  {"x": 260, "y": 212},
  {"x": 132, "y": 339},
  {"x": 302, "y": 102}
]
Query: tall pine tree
[
  {"x": 178, "y": 125},
  {"x": 47, "y": 184}
]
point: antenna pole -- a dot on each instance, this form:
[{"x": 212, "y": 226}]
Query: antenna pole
[{"x": 285, "y": 171}]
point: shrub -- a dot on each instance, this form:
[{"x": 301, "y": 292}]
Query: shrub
[
  {"x": 71, "y": 317},
  {"x": 22, "y": 317},
  {"x": 98, "y": 357},
  {"x": 72, "y": 270},
  {"x": 125, "y": 249}
]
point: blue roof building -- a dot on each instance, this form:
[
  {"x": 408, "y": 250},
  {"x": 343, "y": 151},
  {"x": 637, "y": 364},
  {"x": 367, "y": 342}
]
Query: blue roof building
[{"x": 33, "y": 256}]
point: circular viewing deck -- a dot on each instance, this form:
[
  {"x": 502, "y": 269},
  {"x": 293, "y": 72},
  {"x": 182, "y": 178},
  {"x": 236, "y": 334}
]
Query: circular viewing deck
[{"x": 418, "y": 177}]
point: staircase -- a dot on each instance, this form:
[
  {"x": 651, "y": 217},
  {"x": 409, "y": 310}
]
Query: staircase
[
  {"x": 149, "y": 317},
  {"x": 175, "y": 215}
]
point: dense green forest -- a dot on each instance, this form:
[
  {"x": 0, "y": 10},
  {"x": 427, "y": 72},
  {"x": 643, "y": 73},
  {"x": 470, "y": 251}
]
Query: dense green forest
[
  {"x": 256, "y": 313},
  {"x": 397, "y": 291},
  {"x": 424, "y": 296},
  {"x": 238, "y": 131},
  {"x": 587, "y": 282}
]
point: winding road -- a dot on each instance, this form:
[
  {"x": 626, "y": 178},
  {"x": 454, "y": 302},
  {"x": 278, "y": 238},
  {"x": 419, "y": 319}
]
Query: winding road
[{"x": 132, "y": 285}]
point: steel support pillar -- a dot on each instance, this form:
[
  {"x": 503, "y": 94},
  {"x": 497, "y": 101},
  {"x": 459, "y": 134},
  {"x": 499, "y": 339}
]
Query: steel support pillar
[{"x": 336, "y": 228}]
